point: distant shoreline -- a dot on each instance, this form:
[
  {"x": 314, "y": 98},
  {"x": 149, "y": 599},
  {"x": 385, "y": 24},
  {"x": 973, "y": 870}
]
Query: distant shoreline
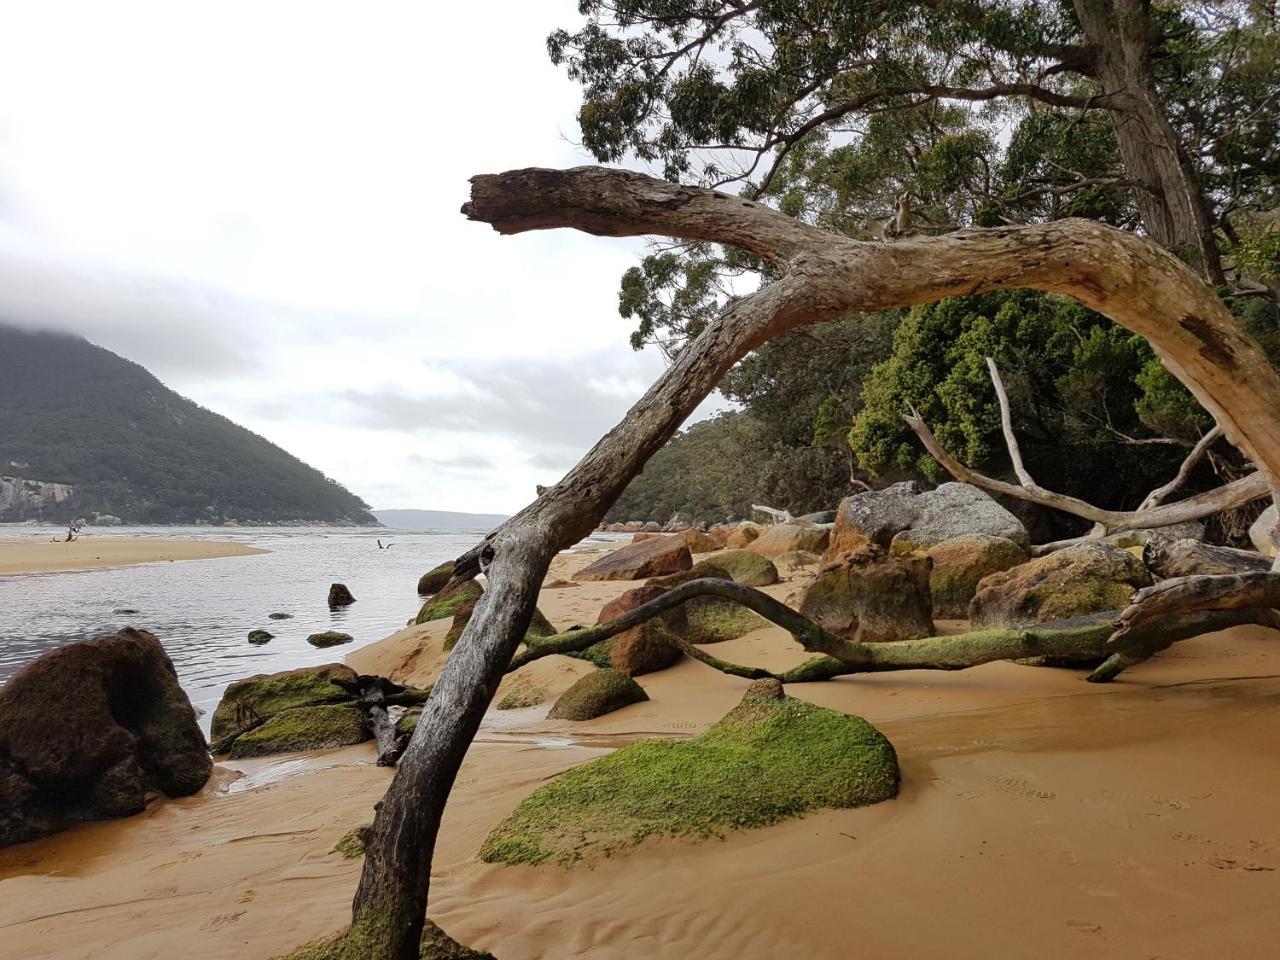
[{"x": 37, "y": 553}]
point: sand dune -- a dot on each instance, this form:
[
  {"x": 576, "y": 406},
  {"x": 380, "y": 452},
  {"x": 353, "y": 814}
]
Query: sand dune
[
  {"x": 39, "y": 554},
  {"x": 1040, "y": 817}
]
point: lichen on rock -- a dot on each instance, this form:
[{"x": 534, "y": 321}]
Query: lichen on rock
[{"x": 598, "y": 693}]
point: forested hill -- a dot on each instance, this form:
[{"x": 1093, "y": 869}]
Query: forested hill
[{"x": 73, "y": 413}]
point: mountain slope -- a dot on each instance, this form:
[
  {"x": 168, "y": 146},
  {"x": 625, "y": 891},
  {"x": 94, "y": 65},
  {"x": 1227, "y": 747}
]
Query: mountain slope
[{"x": 74, "y": 413}]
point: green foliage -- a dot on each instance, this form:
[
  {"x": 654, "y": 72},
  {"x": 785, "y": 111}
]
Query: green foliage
[
  {"x": 766, "y": 761},
  {"x": 75, "y": 413}
]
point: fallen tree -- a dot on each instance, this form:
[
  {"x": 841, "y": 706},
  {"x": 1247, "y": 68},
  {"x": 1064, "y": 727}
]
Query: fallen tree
[{"x": 820, "y": 276}]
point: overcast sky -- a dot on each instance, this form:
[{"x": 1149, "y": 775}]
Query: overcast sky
[{"x": 259, "y": 202}]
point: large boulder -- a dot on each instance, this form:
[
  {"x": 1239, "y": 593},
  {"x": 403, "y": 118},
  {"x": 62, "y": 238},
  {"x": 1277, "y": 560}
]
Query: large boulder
[
  {"x": 709, "y": 619},
  {"x": 699, "y": 542},
  {"x": 918, "y": 521},
  {"x": 598, "y": 693},
  {"x": 303, "y": 728},
  {"x": 1263, "y": 532},
  {"x": 959, "y": 565},
  {"x": 771, "y": 758},
  {"x": 1185, "y": 558},
  {"x": 645, "y": 648},
  {"x": 786, "y": 537},
  {"x": 639, "y": 561},
  {"x": 676, "y": 618},
  {"x": 743, "y": 535},
  {"x": 1086, "y": 577},
  {"x": 448, "y": 600},
  {"x": 88, "y": 730},
  {"x": 435, "y": 579},
  {"x": 251, "y": 702},
  {"x": 871, "y": 597},
  {"x": 747, "y": 567}
]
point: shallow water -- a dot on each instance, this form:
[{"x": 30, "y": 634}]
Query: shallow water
[{"x": 202, "y": 610}]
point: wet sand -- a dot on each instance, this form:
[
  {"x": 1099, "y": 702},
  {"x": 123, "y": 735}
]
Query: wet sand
[
  {"x": 39, "y": 554},
  {"x": 1040, "y": 816}
]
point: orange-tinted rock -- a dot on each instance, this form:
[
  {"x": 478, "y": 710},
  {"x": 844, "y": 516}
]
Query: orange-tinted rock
[{"x": 639, "y": 561}]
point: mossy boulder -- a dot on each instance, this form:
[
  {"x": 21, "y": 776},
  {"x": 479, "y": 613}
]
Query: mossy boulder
[
  {"x": 771, "y": 758},
  {"x": 960, "y": 564},
  {"x": 435, "y": 579},
  {"x": 746, "y": 567},
  {"x": 303, "y": 728},
  {"x": 340, "y": 596},
  {"x": 709, "y": 619},
  {"x": 525, "y": 695},
  {"x": 407, "y": 722},
  {"x": 448, "y": 600},
  {"x": 250, "y": 702},
  {"x": 639, "y": 561},
  {"x": 261, "y": 636},
  {"x": 871, "y": 597},
  {"x": 350, "y": 845},
  {"x": 357, "y": 944},
  {"x": 785, "y": 537},
  {"x": 539, "y": 626},
  {"x": 1086, "y": 577},
  {"x": 596, "y": 694},
  {"x": 675, "y": 618},
  {"x": 329, "y": 638}
]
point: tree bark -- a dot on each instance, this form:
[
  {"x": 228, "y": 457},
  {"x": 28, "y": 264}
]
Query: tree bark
[
  {"x": 1171, "y": 559},
  {"x": 822, "y": 276}
]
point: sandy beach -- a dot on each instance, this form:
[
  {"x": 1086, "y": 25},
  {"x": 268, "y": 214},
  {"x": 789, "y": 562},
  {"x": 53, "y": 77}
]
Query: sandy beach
[
  {"x": 1039, "y": 816},
  {"x": 40, "y": 554}
]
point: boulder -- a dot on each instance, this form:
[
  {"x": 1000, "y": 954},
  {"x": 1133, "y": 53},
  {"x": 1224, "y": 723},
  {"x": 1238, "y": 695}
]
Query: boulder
[
  {"x": 708, "y": 619},
  {"x": 820, "y": 517},
  {"x": 340, "y": 596},
  {"x": 329, "y": 638},
  {"x": 261, "y": 636},
  {"x": 646, "y": 648},
  {"x": 435, "y": 579},
  {"x": 771, "y": 758},
  {"x": 88, "y": 730},
  {"x": 918, "y": 521},
  {"x": 598, "y": 693},
  {"x": 742, "y": 536},
  {"x": 448, "y": 600},
  {"x": 719, "y": 536},
  {"x": 642, "y": 537},
  {"x": 871, "y": 597},
  {"x": 639, "y": 561},
  {"x": 785, "y": 537},
  {"x": 1185, "y": 558},
  {"x": 522, "y": 696},
  {"x": 1087, "y": 577},
  {"x": 1262, "y": 532},
  {"x": 279, "y": 616},
  {"x": 254, "y": 700},
  {"x": 959, "y": 565},
  {"x": 303, "y": 728},
  {"x": 747, "y": 567},
  {"x": 699, "y": 542},
  {"x": 676, "y": 618}
]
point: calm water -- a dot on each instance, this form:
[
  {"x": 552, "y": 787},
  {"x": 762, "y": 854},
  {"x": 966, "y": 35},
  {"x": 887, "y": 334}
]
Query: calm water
[{"x": 202, "y": 610}]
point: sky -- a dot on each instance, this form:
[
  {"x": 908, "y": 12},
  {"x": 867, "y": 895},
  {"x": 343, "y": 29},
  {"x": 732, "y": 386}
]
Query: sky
[{"x": 259, "y": 203}]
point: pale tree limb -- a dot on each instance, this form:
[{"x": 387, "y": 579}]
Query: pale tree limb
[
  {"x": 779, "y": 516},
  {"x": 1006, "y": 425},
  {"x": 821, "y": 276},
  {"x": 1157, "y": 496}
]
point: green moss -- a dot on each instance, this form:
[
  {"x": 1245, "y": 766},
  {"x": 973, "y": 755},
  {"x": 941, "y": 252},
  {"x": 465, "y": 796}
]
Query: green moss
[
  {"x": 746, "y": 567},
  {"x": 253, "y": 700},
  {"x": 766, "y": 761},
  {"x": 596, "y": 694},
  {"x": 408, "y": 722},
  {"x": 363, "y": 942},
  {"x": 446, "y": 602},
  {"x": 351, "y": 845},
  {"x": 712, "y": 620},
  {"x": 329, "y": 638},
  {"x": 521, "y": 697},
  {"x": 600, "y": 654},
  {"x": 303, "y": 728},
  {"x": 435, "y": 579}
]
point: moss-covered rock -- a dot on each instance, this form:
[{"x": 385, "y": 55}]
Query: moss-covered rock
[
  {"x": 960, "y": 564},
  {"x": 340, "y": 596},
  {"x": 261, "y": 636},
  {"x": 447, "y": 601},
  {"x": 350, "y": 845},
  {"x": 329, "y": 638},
  {"x": 1086, "y": 577},
  {"x": 435, "y": 579},
  {"x": 771, "y": 758},
  {"x": 747, "y": 567},
  {"x": 303, "y": 728},
  {"x": 870, "y": 597},
  {"x": 250, "y": 702},
  {"x": 646, "y": 648},
  {"x": 360, "y": 945},
  {"x": 708, "y": 619},
  {"x": 526, "y": 695},
  {"x": 596, "y": 694},
  {"x": 408, "y": 721}
]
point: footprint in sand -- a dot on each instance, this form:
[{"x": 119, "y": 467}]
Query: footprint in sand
[
  {"x": 1084, "y": 926},
  {"x": 1231, "y": 863},
  {"x": 1017, "y": 787},
  {"x": 222, "y": 920}
]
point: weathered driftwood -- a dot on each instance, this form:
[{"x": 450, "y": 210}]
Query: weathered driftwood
[
  {"x": 820, "y": 276},
  {"x": 1152, "y": 513},
  {"x": 1170, "y": 559},
  {"x": 373, "y": 695},
  {"x": 1077, "y": 639},
  {"x": 1170, "y": 598}
]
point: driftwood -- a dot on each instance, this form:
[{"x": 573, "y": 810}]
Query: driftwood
[
  {"x": 1152, "y": 513},
  {"x": 373, "y": 695},
  {"x": 1168, "y": 559},
  {"x": 819, "y": 276}
]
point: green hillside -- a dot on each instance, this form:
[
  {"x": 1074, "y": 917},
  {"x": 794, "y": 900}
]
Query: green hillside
[{"x": 74, "y": 413}]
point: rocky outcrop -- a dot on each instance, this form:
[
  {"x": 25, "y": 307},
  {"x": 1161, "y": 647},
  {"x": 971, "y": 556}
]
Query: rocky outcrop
[
  {"x": 434, "y": 580},
  {"x": 1185, "y": 558},
  {"x": 639, "y": 561},
  {"x": 918, "y": 521},
  {"x": 1086, "y": 577},
  {"x": 787, "y": 537},
  {"x": 959, "y": 565},
  {"x": 448, "y": 600},
  {"x": 870, "y": 597},
  {"x": 23, "y": 499},
  {"x": 87, "y": 730},
  {"x": 598, "y": 693},
  {"x": 250, "y": 702},
  {"x": 303, "y": 728}
]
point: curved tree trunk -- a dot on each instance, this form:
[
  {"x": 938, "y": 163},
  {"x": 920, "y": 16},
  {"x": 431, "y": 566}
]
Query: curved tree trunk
[{"x": 823, "y": 276}]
